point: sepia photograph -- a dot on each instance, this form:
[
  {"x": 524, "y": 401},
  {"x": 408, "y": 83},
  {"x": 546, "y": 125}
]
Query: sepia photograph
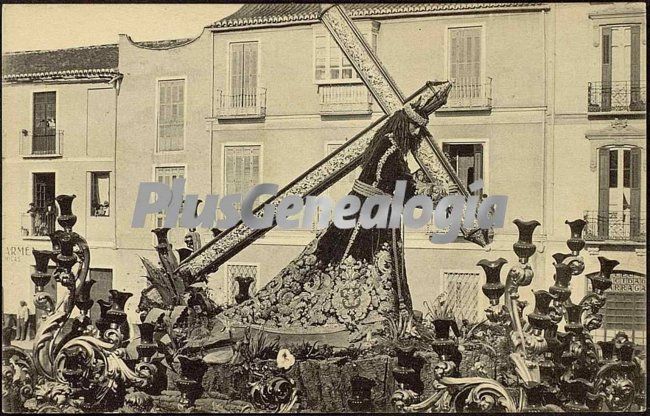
[{"x": 324, "y": 207}]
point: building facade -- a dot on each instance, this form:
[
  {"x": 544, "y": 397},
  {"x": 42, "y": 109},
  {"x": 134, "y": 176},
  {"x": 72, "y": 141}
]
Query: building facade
[
  {"x": 546, "y": 108},
  {"x": 58, "y": 137}
]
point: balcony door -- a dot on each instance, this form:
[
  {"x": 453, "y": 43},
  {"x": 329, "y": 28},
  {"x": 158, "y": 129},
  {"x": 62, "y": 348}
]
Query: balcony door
[
  {"x": 243, "y": 74},
  {"x": 621, "y": 67},
  {"x": 44, "y": 123},
  {"x": 43, "y": 209},
  {"x": 465, "y": 62},
  {"x": 619, "y": 196}
]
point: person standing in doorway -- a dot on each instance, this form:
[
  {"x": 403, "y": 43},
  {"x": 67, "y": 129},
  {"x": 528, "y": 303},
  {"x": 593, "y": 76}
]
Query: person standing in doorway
[{"x": 23, "y": 321}]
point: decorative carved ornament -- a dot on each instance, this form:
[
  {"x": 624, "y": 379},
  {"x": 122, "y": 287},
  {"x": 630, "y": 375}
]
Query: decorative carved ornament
[{"x": 619, "y": 132}]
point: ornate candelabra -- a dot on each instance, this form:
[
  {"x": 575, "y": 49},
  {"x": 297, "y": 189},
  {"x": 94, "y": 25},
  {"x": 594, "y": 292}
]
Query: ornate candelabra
[
  {"x": 556, "y": 370},
  {"x": 87, "y": 363}
]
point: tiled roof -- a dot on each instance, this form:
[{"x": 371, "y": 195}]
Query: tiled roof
[
  {"x": 282, "y": 13},
  {"x": 83, "y": 62}
]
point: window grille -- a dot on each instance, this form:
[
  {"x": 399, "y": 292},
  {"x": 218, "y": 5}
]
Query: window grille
[
  {"x": 463, "y": 294},
  {"x": 235, "y": 270}
]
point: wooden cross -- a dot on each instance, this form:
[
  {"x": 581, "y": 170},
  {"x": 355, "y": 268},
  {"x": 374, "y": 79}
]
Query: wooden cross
[{"x": 342, "y": 161}]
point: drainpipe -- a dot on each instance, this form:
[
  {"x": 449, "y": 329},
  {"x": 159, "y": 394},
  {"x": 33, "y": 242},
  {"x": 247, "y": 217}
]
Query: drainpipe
[{"x": 116, "y": 81}]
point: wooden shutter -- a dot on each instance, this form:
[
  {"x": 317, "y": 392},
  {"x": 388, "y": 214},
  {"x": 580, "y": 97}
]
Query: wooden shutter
[
  {"x": 603, "y": 192},
  {"x": 635, "y": 66},
  {"x": 478, "y": 162},
  {"x": 635, "y": 192},
  {"x": 171, "y": 114},
  {"x": 465, "y": 60},
  {"x": 250, "y": 74},
  {"x": 606, "y": 91},
  {"x": 236, "y": 73}
]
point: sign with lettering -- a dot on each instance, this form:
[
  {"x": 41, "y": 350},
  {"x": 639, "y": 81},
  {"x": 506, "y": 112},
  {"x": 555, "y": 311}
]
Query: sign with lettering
[
  {"x": 624, "y": 281},
  {"x": 16, "y": 254}
]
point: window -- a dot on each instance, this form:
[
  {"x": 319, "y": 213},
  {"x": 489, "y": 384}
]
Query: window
[
  {"x": 44, "y": 123},
  {"x": 619, "y": 196},
  {"x": 235, "y": 271},
  {"x": 242, "y": 168},
  {"x": 100, "y": 194},
  {"x": 329, "y": 61},
  {"x": 171, "y": 114},
  {"x": 467, "y": 160},
  {"x": 43, "y": 209},
  {"x": 243, "y": 74},
  {"x": 463, "y": 293},
  {"x": 621, "y": 88},
  {"x": 166, "y": 175},
  {"x": 465, "y": 59}
]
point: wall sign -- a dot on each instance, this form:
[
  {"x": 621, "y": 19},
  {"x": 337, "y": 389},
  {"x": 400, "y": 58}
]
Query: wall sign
[
  {"x": 15, "y": 254},
  {"x": 624, "y": 281}
]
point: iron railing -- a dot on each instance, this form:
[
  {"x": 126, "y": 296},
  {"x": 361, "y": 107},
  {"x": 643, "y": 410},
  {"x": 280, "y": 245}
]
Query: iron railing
[
  {"x": 622, "y": 96},
  {"x": 615, "y": 225},
  {"x": 242, "y": 104},
  {"x": 344, "y": 99},
  {"x": 39, "y": 223},
  {"x": 41, "y": 145},
  {"x": 470, "y": 95}
]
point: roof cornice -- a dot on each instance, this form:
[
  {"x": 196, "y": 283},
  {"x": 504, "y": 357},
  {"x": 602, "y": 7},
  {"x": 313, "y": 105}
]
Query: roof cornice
[
  {"x": 399, "y": 11},
  {"x": 78, "y": 75}
]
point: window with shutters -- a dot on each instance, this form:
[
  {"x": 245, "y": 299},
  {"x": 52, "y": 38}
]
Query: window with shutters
[
  {"x": 243, "y": 74},
  {"x": 166, "y": 175},
  {"x": 241, "y": 168},
  {"x": 171, "y": 115},
  {"x": 620, "y": 215},
  {"x": 467, "y": 160},
  {"x": 465, "y": 68},
  {"x": 622, "y": 85}
]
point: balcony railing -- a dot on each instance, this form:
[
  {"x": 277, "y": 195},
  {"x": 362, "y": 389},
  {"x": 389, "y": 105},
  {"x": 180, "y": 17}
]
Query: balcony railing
[
  {"x": 470, "y": 96},
  {"x": 32, "y": 145},
  {"x": 39, "y": 223},
  {"x": 620, "y": 96},
  {"x": 243, "y": 104},
  {"x": 345, "y": 99},
  {"x": 615, "y": 226}
]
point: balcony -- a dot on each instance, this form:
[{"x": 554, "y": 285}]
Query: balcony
[
  {"x": 616, "y": 97},
  {"x": 40, "y": 223},
  {"x": 470, "y": 97},
  {"x": 33, "y": 146},
  {"x": 615, "y": 226},
  {"x": 250, "y": 104},
  {"x": 344, "y": 99}
]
